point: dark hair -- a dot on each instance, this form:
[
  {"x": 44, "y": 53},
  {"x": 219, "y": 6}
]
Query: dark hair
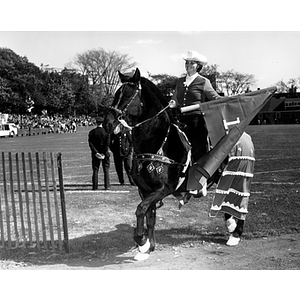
[{"x": 199, "y": 67}]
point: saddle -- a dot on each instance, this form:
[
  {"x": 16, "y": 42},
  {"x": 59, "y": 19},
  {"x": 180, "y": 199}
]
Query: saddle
[{"x": 193, "y": 179}]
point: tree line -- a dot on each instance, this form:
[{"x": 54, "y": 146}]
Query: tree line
[
  {"x": 91, "y": 79},
  {"x": 226, "y": 83}
]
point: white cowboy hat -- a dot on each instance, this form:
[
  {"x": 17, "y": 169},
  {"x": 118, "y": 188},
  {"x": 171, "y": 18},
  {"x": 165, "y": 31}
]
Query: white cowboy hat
[{"x": 195, "y": 56}]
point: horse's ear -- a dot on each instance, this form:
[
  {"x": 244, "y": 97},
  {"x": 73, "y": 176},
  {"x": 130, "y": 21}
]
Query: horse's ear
[
  {"x": 137, "y": 76},
  {"x": 123, "y": 78}
]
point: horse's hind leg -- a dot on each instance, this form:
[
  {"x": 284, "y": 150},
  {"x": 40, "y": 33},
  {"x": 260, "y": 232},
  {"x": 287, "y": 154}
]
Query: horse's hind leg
[{"x": 235, "y": 228}]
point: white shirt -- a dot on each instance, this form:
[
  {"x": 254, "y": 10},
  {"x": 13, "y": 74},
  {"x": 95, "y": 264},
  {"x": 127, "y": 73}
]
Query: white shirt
[{"x": 190, "y": 79}]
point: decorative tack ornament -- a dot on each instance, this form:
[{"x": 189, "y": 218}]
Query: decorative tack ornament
[
  {"x": 150, "y": 167},
  {"x": 159, "y": 169}
]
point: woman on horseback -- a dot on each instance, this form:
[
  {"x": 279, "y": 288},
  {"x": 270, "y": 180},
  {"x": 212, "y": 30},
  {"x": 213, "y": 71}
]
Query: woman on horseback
[{"x": 194, "y": 89}]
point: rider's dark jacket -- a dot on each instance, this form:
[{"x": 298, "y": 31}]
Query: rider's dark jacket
[{"x": 200, "y": 90}]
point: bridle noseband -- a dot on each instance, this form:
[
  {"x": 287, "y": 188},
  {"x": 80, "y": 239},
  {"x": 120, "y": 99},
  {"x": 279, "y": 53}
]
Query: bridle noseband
[{"x": 123, "y": 112}]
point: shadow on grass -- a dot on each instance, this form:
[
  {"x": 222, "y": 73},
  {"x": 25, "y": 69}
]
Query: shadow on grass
[{"x": 111, "y": 248}]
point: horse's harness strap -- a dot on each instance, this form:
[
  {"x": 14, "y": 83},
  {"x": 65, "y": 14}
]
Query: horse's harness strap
[{"x": 155, "y": 157}]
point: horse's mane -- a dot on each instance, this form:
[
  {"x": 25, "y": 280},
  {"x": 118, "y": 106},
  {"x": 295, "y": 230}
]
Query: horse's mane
[{"x": 154, "y": 91}]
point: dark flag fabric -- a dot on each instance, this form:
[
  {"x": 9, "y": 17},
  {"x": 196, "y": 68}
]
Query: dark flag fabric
[
  {"x": 226, "y": 120},
  {"x": 238, "y": 110}
]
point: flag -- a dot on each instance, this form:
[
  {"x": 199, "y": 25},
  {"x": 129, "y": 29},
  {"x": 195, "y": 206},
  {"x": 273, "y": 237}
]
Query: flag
[
  {"x": 226, "y": 120},
  {"x": 223, "y": 114}
]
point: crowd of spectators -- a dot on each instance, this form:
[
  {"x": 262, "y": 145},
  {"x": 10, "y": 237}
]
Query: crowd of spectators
[{"x": 55, "y": 123}]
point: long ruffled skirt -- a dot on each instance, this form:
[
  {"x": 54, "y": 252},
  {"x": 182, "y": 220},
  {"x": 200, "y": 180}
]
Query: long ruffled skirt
[{"x": 233, "y": 190}]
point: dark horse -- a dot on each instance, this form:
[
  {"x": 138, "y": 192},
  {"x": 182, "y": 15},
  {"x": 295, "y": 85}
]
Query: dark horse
[{"x": 162, "y": 153}]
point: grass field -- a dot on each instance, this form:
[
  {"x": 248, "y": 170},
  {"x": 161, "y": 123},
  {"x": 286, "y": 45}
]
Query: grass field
[{"x": 101, "y": 221}]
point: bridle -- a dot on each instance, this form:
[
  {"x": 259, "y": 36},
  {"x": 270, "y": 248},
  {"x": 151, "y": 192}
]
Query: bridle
[
  {"x": 140, "y": 158},
  {"x": 124, "y": 111}
]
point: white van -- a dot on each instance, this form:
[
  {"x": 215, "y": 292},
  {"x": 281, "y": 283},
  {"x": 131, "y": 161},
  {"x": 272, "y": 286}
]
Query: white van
[{"x": 9, "y": 129}]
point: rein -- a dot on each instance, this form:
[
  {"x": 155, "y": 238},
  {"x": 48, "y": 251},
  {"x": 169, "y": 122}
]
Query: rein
[
  {"x": 149, "y": 119},
  {"x": 158, "y": 157},
  {"x": 123, "y": 112}
]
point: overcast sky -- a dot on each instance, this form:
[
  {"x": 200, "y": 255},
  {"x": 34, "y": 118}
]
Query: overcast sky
[{"x": 269, "y": 55}]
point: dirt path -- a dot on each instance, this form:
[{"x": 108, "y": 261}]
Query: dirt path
[{"x": 272, "y": 253}]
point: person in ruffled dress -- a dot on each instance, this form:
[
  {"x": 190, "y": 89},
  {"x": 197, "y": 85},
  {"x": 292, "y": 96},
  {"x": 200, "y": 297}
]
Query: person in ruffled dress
[{"x": 233, "y": 189}]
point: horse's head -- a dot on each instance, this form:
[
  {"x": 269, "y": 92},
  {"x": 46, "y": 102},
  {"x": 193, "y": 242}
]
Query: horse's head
[{"x": 127, "y": 106}]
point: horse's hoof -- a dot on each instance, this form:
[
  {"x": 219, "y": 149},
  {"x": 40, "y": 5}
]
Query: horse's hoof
[
  {"x": 204, "y": 189},
  {"x": 199, "y": 193},
  {"x": 180, "y": 204},
  {"x": 233, "y": 241},
  {"x": 141, "y": 256}
]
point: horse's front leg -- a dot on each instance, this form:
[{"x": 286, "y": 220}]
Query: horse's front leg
[
  {"x": 139, "y": 233},
  {"x": 150, "y": 221},
  {"x": 146, "y": 208}
]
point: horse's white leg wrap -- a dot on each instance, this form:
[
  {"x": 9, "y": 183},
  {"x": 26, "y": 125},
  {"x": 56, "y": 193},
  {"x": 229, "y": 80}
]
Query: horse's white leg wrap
[
  {"x": 142, "y": 255},
  {"x": 145, "y": 247}
]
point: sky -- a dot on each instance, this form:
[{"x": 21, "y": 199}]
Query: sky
[
  {"x": 270, "y": 50},
  {"x": 269, "y": 55}
]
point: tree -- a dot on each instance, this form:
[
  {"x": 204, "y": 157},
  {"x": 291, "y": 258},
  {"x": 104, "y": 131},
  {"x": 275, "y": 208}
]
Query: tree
[
  {"x": 290, "y": 86},
  {"x": 166, "y": 83},
  {"x": 80, "y": 87},
  {"x": 101, "y": 68},
  {"x": 8, "y": 98},
  {"x": 58, "y": 93},
  {"x": 294, "y": 85},
  {"x": 281, "y": 87},
  {"x": 19, "y": 78},
  {"x": 211, "y": 72},
  {"x": 232, "y": 82}
]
